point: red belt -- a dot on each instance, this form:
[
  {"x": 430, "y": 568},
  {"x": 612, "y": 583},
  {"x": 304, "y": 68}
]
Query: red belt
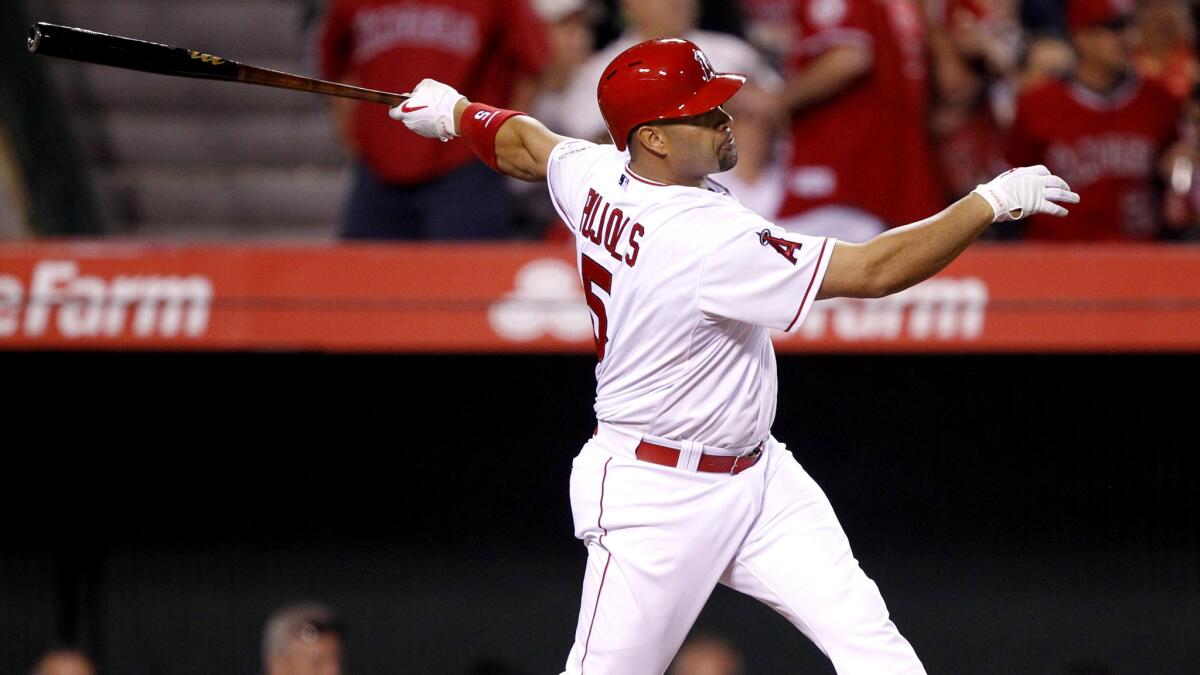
[{"x": 661, "y": 454}]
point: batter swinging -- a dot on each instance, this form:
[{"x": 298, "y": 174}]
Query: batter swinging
[{"x": 682, "y": 486}]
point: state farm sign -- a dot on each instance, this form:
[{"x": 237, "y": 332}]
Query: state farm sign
[
  {"x": 528, "y": 298},
  {"x": 944, "y": 308},
  {"x": 58, "y": 299}
]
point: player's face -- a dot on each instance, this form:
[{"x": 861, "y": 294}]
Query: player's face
[{"x": 703, "y": 144}]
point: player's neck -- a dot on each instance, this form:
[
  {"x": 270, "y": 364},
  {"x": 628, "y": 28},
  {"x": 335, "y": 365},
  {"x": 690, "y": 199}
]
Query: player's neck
[
  {"x": 1098, "y": 78},
  {"x": 659, "y": 171}
]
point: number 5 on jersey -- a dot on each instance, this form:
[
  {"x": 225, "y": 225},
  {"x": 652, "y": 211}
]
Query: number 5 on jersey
[{"x": 595, "y": 276}]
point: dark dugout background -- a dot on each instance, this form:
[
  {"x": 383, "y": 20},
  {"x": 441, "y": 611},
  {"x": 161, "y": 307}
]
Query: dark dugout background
[{"x": 1020, "y": 513}]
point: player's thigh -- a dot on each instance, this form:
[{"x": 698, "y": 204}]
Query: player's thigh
[
  {"x": 658, "y": 542},
  {"x": 798, "y": 561},
  {"x": 628, "y": 624}
]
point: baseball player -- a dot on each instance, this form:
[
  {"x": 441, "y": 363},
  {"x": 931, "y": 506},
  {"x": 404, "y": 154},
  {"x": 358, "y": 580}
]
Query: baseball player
[{"x": 682, "y": 485}]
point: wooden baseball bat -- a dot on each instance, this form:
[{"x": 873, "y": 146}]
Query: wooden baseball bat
[{"x": 66, "y": 42}]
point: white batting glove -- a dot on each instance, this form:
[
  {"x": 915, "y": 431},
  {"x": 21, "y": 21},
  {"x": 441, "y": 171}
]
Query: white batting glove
[
  {"x": 1022, "y": 192},
  {"x": 429, "y": 110}
]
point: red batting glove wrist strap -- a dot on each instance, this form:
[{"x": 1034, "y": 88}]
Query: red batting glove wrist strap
[{"x": 479, "y": 125}]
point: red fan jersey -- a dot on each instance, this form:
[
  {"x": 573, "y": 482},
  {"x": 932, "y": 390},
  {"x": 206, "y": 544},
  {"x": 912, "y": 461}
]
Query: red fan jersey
[
  {"x": 1107, "y": 146},
  {"x": 479, "y": 47},
  {"x": 868, "y": 146}
]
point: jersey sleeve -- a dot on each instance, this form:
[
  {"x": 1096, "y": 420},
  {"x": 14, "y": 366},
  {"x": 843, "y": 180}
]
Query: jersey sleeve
[
  {"x": 759, "y": 273},
  {"x": 566, "y": 174}
]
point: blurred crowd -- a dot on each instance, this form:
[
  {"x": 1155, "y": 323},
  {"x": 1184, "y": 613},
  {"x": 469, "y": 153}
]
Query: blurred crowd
[
  {"x": 308, "y": 638},
  {"x": 859, "y": 115}
]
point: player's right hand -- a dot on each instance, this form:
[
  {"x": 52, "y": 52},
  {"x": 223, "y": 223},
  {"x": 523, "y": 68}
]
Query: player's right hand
[
  {"x": 429, "y": 110},
  {"x": 1022, "y": 192}
]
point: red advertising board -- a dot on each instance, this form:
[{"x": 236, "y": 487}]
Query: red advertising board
[{"x": 527, "y": 297}]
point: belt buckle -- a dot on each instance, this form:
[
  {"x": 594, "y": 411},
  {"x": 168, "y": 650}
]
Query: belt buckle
[{"x": 751, "y": 457}]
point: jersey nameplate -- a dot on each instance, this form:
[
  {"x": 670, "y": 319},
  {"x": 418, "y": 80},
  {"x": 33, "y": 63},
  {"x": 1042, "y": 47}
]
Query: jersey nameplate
[{"x": 605, "y": 225}]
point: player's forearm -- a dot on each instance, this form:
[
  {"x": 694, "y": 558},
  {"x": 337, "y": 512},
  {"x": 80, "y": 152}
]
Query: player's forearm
[
  {"x": 908, "y": 255},
  {"x": 523, "y": 145},
  {"x": 828, "y": 75}
]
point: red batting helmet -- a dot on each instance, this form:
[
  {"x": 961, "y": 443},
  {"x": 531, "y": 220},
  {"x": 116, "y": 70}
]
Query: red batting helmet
[{"x": 659, "y": 80}]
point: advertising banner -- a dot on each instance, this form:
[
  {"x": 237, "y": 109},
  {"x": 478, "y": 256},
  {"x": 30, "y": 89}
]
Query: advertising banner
[{"x": 529, "y": 298}]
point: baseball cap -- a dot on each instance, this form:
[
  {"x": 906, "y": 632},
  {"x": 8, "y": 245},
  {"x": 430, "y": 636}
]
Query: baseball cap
[{"x": 1083, "y": 14}]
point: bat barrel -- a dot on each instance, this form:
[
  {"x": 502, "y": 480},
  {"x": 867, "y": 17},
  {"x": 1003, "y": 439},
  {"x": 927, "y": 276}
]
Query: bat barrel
[{"x": 47, "y": 39}]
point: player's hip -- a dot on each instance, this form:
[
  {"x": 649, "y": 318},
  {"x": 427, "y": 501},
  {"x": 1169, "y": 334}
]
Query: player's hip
[
  {"x": 625, "y": 440},
  {"x": 612, "y": 488}
]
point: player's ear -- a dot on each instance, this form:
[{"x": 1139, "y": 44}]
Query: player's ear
[{"x": 650, "y": 137}]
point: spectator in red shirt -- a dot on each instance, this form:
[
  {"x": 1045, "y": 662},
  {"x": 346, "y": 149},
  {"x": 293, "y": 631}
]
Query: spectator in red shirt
[
  {"x": 974, "y": 45},
  {"x": 408, "y": 187},
  {"x": 1104, "y": 131},
  {"x": 858, "y": 93}
]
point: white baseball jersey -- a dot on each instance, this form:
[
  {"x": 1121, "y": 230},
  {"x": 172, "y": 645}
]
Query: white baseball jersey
[{"x": 683, "y": 284}]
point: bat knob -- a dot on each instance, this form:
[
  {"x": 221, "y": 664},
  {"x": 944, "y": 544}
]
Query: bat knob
[{"x": 35, "y": 38}]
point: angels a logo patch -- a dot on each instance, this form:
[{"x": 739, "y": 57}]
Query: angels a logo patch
[{"x": 782, "y": 246}]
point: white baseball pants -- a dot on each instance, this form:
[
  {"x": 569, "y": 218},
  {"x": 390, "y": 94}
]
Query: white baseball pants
[{"x": 660, "y": 538}]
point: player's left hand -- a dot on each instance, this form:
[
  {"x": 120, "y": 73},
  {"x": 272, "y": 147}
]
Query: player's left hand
[
  {"x": 429, "y": 110},
  {"x": 1022, "y": 192}
]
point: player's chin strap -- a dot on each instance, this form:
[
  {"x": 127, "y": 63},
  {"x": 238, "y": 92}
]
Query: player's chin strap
[{"x": 479, "y": 125}]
